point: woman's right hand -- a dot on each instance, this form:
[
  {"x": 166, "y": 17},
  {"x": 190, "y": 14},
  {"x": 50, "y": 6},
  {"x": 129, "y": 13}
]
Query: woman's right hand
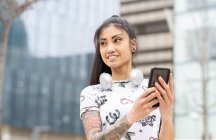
[{"x": 142, "y": 106}]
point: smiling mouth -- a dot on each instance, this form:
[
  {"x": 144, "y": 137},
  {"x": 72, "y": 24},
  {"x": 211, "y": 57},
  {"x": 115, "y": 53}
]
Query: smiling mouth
[{"x": 112, "y": 58}]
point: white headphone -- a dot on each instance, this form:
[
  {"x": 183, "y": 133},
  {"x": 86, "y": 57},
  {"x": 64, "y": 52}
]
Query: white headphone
[{"x": 136, "y": 78}]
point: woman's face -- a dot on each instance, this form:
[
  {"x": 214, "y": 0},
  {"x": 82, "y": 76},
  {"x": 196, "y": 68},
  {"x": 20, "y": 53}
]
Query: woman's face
[{"x": 115, "y": 47}]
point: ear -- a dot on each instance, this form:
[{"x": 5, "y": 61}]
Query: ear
[{"x": 133, "y": 44}]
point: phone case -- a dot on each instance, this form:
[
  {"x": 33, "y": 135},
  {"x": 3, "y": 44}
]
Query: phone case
[{"x": 155, "y": 73}]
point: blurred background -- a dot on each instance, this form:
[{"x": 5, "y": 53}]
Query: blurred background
[{"x": 46, "y": 55}]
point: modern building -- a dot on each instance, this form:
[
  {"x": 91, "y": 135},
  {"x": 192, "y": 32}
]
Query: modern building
[
  {"x": 195, "y": 65},
  {"x": 180, "y": 35},
  {"x": 152, "y": 20},
  {"x": 49, "y": 58}
]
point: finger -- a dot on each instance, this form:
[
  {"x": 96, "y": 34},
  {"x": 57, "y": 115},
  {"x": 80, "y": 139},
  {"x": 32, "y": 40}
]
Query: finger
[
  {"x": 162, "y": 92},
  {"x": 159, "y": 97},
  {"x": 148, "y": 91},
  {"x": 171, "y": 83},
  {"x": 162, "y": 82},
  {"x": 148, "y": 98},
  {"x": 167, "y": 87},
  {"x": 152, "y": 102}
]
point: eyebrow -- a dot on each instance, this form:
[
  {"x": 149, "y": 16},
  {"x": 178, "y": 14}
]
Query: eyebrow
[{"x": 112, "y": 36}]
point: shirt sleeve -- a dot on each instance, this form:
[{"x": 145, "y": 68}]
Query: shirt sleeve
[{"x": 88, "y": 100}]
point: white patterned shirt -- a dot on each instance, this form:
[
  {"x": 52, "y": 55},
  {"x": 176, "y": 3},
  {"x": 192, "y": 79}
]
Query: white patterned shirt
[{"x": 114, "y": 104}]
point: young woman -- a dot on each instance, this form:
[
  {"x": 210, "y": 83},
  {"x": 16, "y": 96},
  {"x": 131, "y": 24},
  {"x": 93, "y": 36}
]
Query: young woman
[{"x": 123, "y": 111}]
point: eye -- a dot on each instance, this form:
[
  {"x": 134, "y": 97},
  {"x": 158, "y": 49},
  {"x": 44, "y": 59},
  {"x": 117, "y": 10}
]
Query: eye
[
  {"x": 116, "y": 40},
  {"x": 102, "y": 43}
]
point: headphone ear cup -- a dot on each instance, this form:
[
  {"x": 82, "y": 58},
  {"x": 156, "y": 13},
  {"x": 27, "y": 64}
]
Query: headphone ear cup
[
  {"x": 106, "y": 82},
  {"x": 136, "y": 77}
]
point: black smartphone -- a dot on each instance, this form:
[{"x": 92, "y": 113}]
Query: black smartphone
[{"x": 155, "y": 73}]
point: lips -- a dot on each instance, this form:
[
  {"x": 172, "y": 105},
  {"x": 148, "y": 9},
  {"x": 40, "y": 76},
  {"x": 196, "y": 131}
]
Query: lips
[{"x": 112, "y": 57}]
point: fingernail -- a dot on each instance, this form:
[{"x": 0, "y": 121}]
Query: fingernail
[{"x": 156, "y": 83}]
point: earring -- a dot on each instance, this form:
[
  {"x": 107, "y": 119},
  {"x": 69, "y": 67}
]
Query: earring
[{"x": 133, "y": 50}]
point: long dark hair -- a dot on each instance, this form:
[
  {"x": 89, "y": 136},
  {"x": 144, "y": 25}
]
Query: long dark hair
[{"x": 99, "y": 66}]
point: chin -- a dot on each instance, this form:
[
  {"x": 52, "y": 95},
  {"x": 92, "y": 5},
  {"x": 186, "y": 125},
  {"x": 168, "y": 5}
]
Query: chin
[
  {"x": 113, "y": 65},
  {"x": 110, "y": 64}
]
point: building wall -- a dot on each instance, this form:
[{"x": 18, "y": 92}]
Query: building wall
[
  {"x": 152, "y": 20},
  {"x": 49, "y": 59},
  {"x": 156, "y": 22}
]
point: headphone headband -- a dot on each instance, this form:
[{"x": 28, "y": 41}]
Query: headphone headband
[{"x": 136, "y": 77}]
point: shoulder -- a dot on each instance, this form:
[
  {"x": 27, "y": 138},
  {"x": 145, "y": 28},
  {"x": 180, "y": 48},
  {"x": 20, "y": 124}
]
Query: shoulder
[{"x": 92, "y": 89}]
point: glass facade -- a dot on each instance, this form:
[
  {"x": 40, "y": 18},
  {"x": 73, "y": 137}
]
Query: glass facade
[
  {"x": 49, "y": 58},
  {"x": 195, "y": 66}
]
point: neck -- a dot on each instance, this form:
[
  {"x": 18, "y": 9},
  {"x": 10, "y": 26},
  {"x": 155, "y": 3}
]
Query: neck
[{"x": 122, "y": 73}]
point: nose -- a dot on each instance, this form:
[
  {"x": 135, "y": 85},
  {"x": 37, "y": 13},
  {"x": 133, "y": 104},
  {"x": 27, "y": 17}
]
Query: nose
[{"x": 110, "y": 49}]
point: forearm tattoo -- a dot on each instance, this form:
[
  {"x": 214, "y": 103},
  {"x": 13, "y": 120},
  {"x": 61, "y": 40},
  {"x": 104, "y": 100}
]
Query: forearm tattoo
[{"x": 92, "y": 126}]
